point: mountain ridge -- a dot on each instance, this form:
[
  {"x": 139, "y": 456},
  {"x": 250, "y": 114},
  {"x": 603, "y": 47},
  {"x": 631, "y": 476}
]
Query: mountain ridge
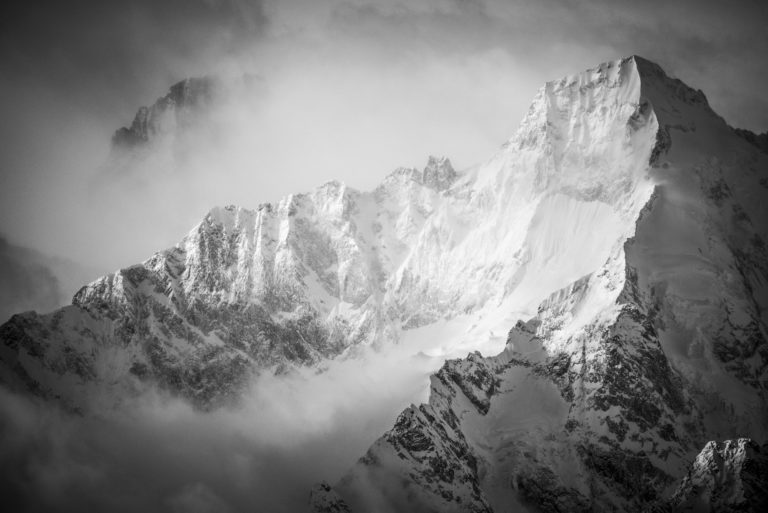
[
  {"x": 620, "y": 231},
  {"x": 623, "y": 396}
]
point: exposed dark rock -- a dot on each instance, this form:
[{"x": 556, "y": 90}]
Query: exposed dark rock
[
  {"x": 726, "y": 476},
  {"x": 758, "y": 140},
  {"x": 323, "y": 499},
  {"x": 542, "y": 490}
]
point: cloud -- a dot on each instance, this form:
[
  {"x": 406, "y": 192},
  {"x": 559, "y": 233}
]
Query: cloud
[
  {"x": 73, "y": 72},
  {"x": 84, "y": 45},
  {"x": 156, "y": 453},
  {"x": 715, "y": 48},
  {"x": 30, "y": 280},
  {"x": 26, "y": 283},
  {"x": 352, "y": 89},
  {"x": 197, "y": 498}
]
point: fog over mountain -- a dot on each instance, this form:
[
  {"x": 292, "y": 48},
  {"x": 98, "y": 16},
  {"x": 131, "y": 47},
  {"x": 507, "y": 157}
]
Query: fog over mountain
[
  {"x": 30, "y": 280},
  {"x": 364, "y": 256},
  {"x": 350, "y": 91}
]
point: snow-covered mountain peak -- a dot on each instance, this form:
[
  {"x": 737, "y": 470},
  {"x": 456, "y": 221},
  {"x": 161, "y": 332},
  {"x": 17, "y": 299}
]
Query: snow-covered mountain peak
[
  {"x": 576, "y": 130},
  {"x": 656, "y": 82},
  {"x": 637, "y": 299},
  {"x": 335, "y": 267}
]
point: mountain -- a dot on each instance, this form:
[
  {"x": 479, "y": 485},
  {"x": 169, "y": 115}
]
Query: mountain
[
  {"x": 319, "y": 273},
  {"x": 620, "y": 234},
  {"x": 295, "y": 282},
  {"x": 602, "y": 399},
  {"x": 196, "y": 115},
  {"x": 169, "y": 114}
]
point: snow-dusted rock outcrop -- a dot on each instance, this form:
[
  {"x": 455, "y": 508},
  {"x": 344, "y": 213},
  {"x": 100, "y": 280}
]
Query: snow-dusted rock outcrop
[
  {"x": 168, "y": 115},
  {"x": 725, "y": 476},
  {"x": 657, "y": 345}
]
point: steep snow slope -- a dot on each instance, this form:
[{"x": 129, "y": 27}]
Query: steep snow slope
[{"x": 652, "y": 345}]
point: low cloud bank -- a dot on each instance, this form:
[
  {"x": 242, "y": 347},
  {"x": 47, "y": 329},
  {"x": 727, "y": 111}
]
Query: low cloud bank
[{"x": 155, "y": 453}]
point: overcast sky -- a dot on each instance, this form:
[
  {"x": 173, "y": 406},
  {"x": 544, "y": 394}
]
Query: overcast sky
[{"x": 352, "y": 89}]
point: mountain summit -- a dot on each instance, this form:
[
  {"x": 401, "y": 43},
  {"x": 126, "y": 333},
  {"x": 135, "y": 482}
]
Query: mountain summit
[
  {"x": 603, "y": 397},
  {"x": 618, "y": 238}
]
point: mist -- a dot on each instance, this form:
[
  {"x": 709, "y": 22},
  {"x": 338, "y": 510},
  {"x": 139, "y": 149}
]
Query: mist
[
  {"x": 30, "y": 280},
  {"x": 157, "y": 453},
  {"x": 150, "y": 451},
  {"x": 351, "y": 90}
]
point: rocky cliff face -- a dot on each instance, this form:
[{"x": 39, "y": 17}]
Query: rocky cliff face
[
  {"x": 602, "y": 398},
  {"x": 727, "y": 476}
]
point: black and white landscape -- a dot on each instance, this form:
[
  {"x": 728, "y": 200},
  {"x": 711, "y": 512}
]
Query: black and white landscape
[{"x": 576, "y": 320}]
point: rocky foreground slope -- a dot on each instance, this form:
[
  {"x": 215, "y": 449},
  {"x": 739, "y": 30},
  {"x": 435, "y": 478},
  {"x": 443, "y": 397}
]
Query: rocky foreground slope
[{"x": 602, "y": 399}]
